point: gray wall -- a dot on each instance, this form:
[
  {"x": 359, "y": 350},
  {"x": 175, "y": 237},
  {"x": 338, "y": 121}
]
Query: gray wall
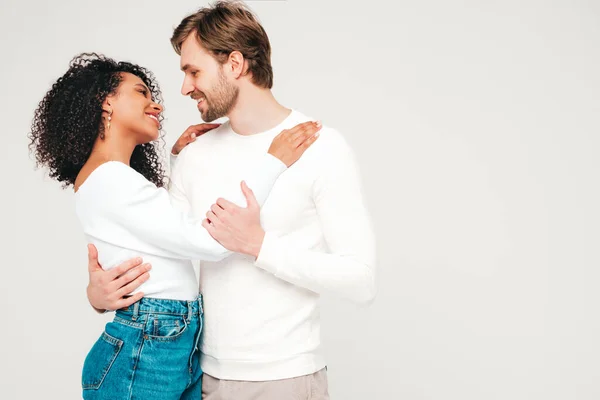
[{"x": 476, "y": 127}]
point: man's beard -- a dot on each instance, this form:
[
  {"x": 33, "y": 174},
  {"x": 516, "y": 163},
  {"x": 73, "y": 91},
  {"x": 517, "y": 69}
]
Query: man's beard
[{"x": 221, "y": 100}]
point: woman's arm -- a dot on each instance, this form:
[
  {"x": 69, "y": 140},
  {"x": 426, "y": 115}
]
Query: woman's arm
[{"x": 129, "y": 211}]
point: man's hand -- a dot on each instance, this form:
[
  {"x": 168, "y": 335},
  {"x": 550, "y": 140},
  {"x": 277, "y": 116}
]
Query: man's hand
[
  {"x": 190, "y": 135},
  {"x": 236, "y": 228},
  {"x": 107, "y": 289}
]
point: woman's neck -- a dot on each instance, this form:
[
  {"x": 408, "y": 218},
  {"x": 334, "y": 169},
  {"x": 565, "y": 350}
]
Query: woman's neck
[{"x": 113, "y": 148}]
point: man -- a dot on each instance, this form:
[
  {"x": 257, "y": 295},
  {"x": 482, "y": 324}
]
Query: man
[{"x": 262, "y": 331}]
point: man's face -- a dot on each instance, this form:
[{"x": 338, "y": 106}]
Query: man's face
[{"x": 205, "y": 81}]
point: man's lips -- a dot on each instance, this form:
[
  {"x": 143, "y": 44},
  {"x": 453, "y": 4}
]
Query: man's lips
[{"x": 199, "y": 99}]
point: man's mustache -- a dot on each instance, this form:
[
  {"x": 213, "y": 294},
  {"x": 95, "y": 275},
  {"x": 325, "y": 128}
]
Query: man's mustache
[{"x": 197, "y": 95}]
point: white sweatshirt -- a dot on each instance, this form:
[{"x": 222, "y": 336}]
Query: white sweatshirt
[
  {"x": 127, "y": 216},
  {"x": 262, "y": 316}
]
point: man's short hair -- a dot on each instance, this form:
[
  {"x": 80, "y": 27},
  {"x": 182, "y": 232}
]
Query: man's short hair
[{"x": 229, "y": 26}]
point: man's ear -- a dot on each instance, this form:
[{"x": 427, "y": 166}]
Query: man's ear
[{"x": 237, "y": 64}]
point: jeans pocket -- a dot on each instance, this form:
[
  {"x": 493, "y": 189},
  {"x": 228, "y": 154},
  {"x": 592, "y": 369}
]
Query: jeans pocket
[
  {"x": 99, "y": 361},
  {"x": 166, "y": 327}
]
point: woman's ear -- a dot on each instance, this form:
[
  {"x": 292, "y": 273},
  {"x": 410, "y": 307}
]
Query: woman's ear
[{"x": 107, "y": 106}]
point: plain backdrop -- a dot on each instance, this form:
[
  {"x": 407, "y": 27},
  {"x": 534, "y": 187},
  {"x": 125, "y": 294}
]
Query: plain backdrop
[{"x": 476, "y": 127}]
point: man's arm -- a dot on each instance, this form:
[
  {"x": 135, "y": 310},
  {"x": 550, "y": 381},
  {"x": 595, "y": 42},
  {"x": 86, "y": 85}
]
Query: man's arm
[
  {"x": 348, "y": 269},
  {"x": 107, "y": 289}
]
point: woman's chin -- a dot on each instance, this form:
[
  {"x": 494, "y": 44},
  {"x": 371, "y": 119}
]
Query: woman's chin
[{"x": 151, "y": 136}]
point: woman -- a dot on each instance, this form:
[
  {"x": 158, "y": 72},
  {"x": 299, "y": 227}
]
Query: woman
[{"x": 97, "y": 129}]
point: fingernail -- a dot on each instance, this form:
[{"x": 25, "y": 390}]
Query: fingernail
[
  {"x": 317, "y": 134},
  {"x": 193, "y": 136},
  {"x": 318, "y": 123},
  {"x": 138, "y": 260}
]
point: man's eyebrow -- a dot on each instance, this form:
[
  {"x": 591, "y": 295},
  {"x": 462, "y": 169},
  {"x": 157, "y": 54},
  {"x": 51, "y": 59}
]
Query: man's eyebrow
[{"x": 189, "y": 66}]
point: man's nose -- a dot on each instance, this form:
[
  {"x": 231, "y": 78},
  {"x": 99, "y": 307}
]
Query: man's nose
[{"x": 187, "y": 88}]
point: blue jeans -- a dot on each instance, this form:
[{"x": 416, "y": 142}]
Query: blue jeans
[{"x": 149, "y": 351}]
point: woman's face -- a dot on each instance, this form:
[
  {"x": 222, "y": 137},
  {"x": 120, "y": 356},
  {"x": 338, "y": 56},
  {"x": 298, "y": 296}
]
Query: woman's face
[{"x": 134, "y": 111}]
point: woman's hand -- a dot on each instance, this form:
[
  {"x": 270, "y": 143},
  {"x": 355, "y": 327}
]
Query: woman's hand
[
  {"x": 190, "y": 135},
  {"x": 290, "y": 144}
]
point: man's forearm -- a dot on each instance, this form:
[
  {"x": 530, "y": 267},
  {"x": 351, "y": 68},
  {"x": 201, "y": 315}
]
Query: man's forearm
[{"x": 348, "y": 276}]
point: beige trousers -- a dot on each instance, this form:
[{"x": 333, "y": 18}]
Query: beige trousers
[{"x": 308, "y": 387}]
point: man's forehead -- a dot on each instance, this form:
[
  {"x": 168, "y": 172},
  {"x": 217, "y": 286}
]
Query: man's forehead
[
  {"x": 192, "y": 54},
  {"x": 195, "y": 60}
]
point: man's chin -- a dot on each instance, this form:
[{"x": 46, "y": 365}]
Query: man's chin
[{"x": 207, "y": 117}]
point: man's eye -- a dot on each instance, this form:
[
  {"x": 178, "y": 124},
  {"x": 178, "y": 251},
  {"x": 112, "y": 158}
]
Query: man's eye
[{"x": 195, "y": 73}]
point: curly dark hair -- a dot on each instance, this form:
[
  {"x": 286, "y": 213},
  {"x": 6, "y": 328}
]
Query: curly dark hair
[{"x": 69, "y": 118}]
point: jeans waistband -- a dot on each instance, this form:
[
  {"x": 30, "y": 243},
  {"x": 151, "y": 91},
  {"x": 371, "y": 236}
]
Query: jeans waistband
[{"x": 148, "y": 305}]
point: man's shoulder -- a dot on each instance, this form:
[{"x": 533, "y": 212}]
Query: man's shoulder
[
  {"x": 207, "y": 142},
  {"x": 328, "y": 136}
]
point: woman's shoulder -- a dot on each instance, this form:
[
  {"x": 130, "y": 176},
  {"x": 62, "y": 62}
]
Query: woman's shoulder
[{"x": 103, "y": 179}]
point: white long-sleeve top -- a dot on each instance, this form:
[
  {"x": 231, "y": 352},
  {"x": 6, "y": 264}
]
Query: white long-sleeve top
[
  {"x": 127, "y": 216},
  {"x": 262, "y": 316}
]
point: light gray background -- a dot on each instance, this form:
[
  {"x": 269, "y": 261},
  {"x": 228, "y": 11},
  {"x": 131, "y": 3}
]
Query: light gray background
[{"x": 476, "y": 127}]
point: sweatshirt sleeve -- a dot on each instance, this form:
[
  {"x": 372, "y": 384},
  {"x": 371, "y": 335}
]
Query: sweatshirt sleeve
[
  {"x": 121, "y": 207},
  {"x": 348, "y": 269}
]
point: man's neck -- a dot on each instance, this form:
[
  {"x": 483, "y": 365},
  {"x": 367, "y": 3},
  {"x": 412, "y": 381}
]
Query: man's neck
[{"x": 256, "y": 111}]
